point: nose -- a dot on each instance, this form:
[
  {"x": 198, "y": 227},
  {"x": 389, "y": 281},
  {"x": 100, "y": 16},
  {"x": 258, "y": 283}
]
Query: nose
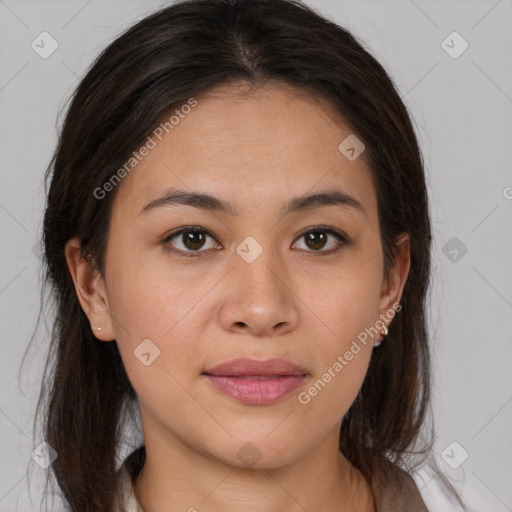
[{"x": 258, "y": 298}]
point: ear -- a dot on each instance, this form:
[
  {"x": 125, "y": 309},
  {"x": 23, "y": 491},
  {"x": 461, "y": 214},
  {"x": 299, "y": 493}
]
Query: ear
[
  {"x": 90, "y": 290},
  {"x": 393, "y": 284}
]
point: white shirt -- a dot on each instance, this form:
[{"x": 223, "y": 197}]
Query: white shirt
[{"x": 127, "y": 491}]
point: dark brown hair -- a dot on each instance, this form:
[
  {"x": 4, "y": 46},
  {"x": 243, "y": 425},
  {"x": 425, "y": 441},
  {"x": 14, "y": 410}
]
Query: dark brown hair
[{"x": 177, "y": 53}]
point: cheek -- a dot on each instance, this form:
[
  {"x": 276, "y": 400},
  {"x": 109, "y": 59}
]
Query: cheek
[
  {"x": 343, "y": 364},
  {"x": 147, "y": 300},
  {"x": 343, "y": 303},
  {"x": 146, "y": 306},
  {"x": 346, "y": 304},
  {"x": 156, "y": 320},
  {"x": 343, "y": 374}
]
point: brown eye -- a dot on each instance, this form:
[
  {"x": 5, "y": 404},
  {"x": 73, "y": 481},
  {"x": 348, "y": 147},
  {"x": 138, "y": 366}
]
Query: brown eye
[
  {"x": 189, "y": 240},
  {"x": 318, "y": 238}
]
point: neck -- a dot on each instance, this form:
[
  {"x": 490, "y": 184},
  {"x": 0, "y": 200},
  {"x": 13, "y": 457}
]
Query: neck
[{"x": 177, "y": 477}]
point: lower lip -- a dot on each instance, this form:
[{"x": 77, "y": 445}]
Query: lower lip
[{"x": 253, "y": 391}]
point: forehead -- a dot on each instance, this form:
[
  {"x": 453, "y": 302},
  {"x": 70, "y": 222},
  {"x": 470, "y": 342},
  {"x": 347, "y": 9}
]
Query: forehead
[{"x": 267, "y": 144}]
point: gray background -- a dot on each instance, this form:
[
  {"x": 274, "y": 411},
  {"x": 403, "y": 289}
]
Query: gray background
[{"x": 462, "y": 111}]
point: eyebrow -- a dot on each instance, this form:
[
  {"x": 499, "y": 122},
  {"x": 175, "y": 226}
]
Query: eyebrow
[{"x": 214, "y": 204}]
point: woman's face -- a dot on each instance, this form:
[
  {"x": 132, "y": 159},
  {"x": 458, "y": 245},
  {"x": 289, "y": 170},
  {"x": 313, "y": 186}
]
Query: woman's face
[{"x": 266, "y": 277}]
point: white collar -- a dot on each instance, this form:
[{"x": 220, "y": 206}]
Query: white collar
[{"x": 127, "y": 491}]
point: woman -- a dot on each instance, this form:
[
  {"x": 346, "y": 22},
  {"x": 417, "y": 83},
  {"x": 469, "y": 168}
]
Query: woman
[{"x": 237, "y": 238}]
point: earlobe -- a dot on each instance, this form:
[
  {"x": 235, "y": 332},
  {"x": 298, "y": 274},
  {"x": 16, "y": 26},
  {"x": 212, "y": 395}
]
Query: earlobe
[{"x": 90, "y": 291}]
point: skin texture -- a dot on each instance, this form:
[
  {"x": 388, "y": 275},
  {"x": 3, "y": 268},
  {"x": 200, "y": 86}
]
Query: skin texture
[{"x": 256, "y": 151}]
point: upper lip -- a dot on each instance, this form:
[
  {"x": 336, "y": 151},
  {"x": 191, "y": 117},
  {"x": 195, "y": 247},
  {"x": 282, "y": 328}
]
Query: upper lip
[{"x": 254, "y": 367}]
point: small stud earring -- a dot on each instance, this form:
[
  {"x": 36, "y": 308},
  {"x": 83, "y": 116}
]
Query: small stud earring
[
  {"x": 97, "y": 328},
  {"x": 384, "y": 332}
]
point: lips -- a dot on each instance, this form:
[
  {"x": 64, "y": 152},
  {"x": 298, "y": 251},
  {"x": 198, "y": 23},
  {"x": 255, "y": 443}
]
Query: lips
[
  {"x": 254, "y": 382},
  {"x": 253, "y": 367}
]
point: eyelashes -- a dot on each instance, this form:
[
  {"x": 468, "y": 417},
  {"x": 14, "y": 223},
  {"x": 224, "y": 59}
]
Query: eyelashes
[
  {"x": 196, "y": 236},
  {"x": 193, "y": 238}
]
